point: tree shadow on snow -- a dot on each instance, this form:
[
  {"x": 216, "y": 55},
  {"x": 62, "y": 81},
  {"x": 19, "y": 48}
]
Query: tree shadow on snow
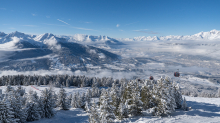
[
  {"x": 199, "y": 109},
  {"x": 74, "y": 115}
]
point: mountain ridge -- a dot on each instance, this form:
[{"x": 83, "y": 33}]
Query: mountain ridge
[
  {"x": 83, "y": 38},
  {"x": 211, "y": 35}
]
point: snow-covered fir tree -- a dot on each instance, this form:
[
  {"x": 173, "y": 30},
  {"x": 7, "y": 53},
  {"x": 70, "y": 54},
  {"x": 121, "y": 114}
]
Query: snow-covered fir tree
[
  {"x": 6, "y": 113},
  {"x": 80, "y": 102},
  {"x": 69, "y": 99},
  {"x": 115, "y": 97},
  {"x": 74, "y": 102},
  {"x": 68, "y": 82},
  {"x": 32, "y": 107},
  {"x": 41, "y": 107},
  {"x": 16, "y": 104},
  {"x": 178, "y": 95},
  {"x": 62, "y": 99},
  {"x": 122, "y": 111},
  {"x": 147, "y": 97},
  {"x": 136, "y": 105},
  {"x": 94, "y": 115},
  {"x": 8, "y": 89},
  {"x": 165, "y": 98},
  {"x": 106, "y": 109},
  {"x": 47, "y": 100},
  {"x": 132, "y": 96},
  {"x": 184, "y": 105},
  {"x": 88, "y": 95},
  {"x": 20, "y": 90},
  {"x": 83, "y": 100},
  {"x": 87, "y": 107}
]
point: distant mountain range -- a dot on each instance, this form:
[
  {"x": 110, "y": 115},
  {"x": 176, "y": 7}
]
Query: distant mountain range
[
  {"x": 90, "y": 39},
  {"x": 81, "y": 38},
  {"x": 21, "y": 52},
  {"x": 211, "y": 35},
  {"x": 24, "y": 52}
]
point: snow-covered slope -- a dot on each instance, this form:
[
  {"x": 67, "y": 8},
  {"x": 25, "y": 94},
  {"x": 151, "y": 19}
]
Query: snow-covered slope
[
  {"x": 85, "y": 38},
  {"x": 93, "y": 40},
  {"x": 203, "y": 110},
  {"x": 47, "y": 51},
  {"x": 2, "y": 34},
  {"x": 211, "y": 35}
]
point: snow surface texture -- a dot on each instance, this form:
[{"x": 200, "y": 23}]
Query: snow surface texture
[{"x": 203, "y": 110}]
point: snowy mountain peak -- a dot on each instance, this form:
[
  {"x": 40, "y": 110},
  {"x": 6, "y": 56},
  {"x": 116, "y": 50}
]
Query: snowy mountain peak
[
  {"x": 16, "y": 34},
  {"x": 85, "y": 38},
  {"x": 2, "y": 34},
  {"x": 214, "y": 31},
  {"x": 44, "y": 36}
]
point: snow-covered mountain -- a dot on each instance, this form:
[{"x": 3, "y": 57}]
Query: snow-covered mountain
[
  {"x": 50, "y": 39},
  {"x": 21, "y": 51},
  {"x": 90, "y": 39},
  {"x": 211, "y": 35},
  {"x": 86, "y": 38},
  {"x": 2, "y": 34}
]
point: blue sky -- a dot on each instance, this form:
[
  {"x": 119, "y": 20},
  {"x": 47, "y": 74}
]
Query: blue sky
[{"x": 113, "y": 18}]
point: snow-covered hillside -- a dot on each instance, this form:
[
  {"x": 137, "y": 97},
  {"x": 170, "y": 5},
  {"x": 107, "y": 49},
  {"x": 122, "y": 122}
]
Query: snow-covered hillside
[
  {"x": 205, "y": 110},
  {"x": 48, "y": 52}
]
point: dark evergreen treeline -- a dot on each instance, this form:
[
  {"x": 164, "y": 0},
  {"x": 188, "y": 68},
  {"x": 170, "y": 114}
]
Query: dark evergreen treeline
[{"x": 56, "y": 80}]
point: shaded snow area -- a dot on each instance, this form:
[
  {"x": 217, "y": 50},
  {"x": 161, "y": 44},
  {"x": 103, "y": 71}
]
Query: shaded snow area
[
  {"x": 203, "y": 110},
  {"x": 74, "y": 115}
]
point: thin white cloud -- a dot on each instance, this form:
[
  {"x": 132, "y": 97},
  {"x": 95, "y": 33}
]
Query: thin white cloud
[
  {"x": 34, "y": 14},
  {"x": 53, "y": 24},
  {"x": 83, "y": 28},
  {"x": 47, "y": 16},
  {"x": 76, "y": 27},
  {"x": 11, "y": 28},
  {"x": 3, "y": 8},
  {"x": 117, "y": 25},
  {"x": 30, "y": 25},
  {"x": 121, "y": 30},
  {"x": 63, "y": 21}
]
